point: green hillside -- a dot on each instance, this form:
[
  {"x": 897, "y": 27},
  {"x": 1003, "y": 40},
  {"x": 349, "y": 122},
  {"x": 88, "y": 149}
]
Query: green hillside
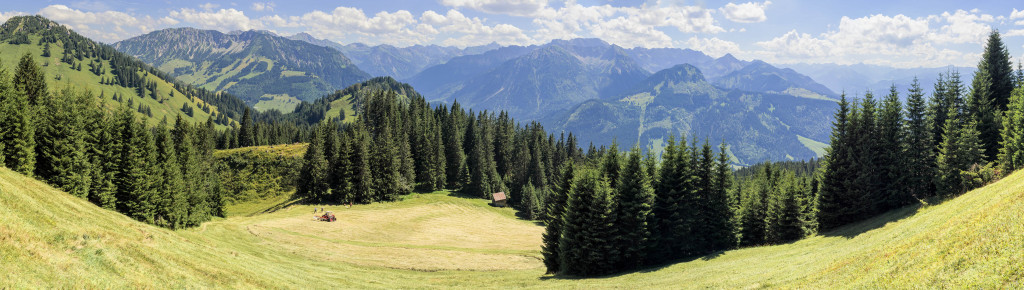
[
  {"x": 21, "y": 35},
  {"x": 51, "y": 239},
  {"x": 266, "y": 70}
]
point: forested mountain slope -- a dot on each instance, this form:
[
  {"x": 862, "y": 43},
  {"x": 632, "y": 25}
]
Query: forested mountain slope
[
  {"x": 255, "y": 65},
  {"x": 679, "y": 101},
  {"x": 69, "y": 59}
]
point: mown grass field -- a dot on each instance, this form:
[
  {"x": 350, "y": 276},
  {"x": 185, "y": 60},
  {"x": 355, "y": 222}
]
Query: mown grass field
[{"x": 437, "y": 240}]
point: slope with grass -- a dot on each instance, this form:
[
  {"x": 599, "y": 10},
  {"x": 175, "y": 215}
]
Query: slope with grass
[
  {"x": 49, "y": 238},
  {"x": 167, "y": 103}
]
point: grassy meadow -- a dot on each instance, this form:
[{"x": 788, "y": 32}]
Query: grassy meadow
[{"x": 441, "y": 240}]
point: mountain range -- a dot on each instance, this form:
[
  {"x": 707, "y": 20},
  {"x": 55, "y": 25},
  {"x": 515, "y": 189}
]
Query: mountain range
[{"x": 258, "y": 66}]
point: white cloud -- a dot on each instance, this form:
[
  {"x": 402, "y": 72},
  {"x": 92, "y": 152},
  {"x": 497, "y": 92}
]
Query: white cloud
[
  {"x": 263, "y": 6},
  {"x": 464, "y": 31},
  {"x": 749, "y": 12},
  {"x": 209, "y": 6},
  {"x": 1014, "y": 32},
  {"x": 1016, "y": 14},
  {"x": 107, "y": 26},
  {"x": 624, "y": 26},
  {"x": 7, "y": 15},
  {"x": 886, "y": 40},
  {"x": 712, "y": 46},
  {"x": 509, "y": 7},
  {"x": 223, "y": 19}
]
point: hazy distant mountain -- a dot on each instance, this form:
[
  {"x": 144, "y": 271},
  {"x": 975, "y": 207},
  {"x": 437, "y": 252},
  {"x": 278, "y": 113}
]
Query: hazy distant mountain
[
  {"x": 254, "y": 65},
  {"x": 679, "y": 101},
  {"x": 533, "y": 81},
  {"x": 396, "y": 62},
  {"x": 860, "y": 78},
  {"x": 759, "y": 76}
]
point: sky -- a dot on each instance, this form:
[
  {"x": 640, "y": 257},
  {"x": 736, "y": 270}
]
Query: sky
[{"x": 891, "y": 33}]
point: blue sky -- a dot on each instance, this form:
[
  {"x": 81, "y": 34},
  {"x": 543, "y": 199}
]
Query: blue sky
[{"x": 892, "y": 33}]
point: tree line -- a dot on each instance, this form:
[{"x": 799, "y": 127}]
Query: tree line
[
  {"x": 156, "y": 175},
  {"x": 885, "y": 155}
]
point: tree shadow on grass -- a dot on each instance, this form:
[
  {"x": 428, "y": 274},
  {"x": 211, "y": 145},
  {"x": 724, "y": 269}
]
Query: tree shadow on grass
[
  {"x": 855, "y": 229},
  {"x": 646, "y": 269}
]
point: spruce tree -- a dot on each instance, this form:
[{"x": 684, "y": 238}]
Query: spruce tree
[
  {"x": 633, "y": 203},
  {"x": 833, "y": 199},
  {"x": 891, "y": 154},
  {"x": 784, "y": 216},
  {"x": 172, "y": 204},
  {"x": 995, "y": 63},
  {"x": 455, "y": 156},
  {"x": 531, "y": 208},
  {"x": 586, "y": 245},
  {"x": 553, "y": 219},
  {"x": 961, "y": 148},
  {"x": 29, "y": 80},
  {"x": 755, "y": 207},
  {"x": 610, "y": 165},
  {"x": 1011, "y": 153},
  {"x": 920, "y": 157},
  {"x": 313, "y": 175},
  {"x": 983, "y": 110},
  {"x": 718, "y": 224},
  {"x": 360, "y": 173},
  {"x": 247, "y": 133},
  {"x": 62, "y": 159}
]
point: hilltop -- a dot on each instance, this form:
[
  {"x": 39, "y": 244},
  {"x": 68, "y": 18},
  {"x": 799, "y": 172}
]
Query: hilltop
[
  {"x": 266, "y": 70},
  {"x": 52, "y": 238},
  {"x": 69, "y": 59}
]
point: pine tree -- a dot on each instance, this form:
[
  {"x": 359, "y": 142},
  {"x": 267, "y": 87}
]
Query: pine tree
[
  {"x": 385, "y": 166},
  {"x": 247, "y": 133},
  {"x": 172, "y": 205},
  {"x": 755, "y": 207},
  {"x": 920, "y": 158},
  {"x": 891, "y": 162},
  {"x": 633, "y": 203},
  {"x": 961, "y": 148},
  {"x": 984, "y": 112},
  {"x": 1011, "y": 153},
  {"x": 29, "y": 80},
  {"x": 718, "y": 233},
  {"x": 531, "y": 207},
  {"x": 553, "y": 218},
  {"x": 135, "y": 162},
  {"x": 995, "y": 63},
  {"x": 833, "y": 200},
  {"x": 586, "y": 244},
  {"x": 18, "y": 128},
  {"x": 360, "y": 176},
  {"x": 455, "y": 156},
  {"x": 313, "y": 176},
  {"x": 341, "y": 170},
  {"x": 61, "y": 142},
  {"x": 610, "y": 165}
]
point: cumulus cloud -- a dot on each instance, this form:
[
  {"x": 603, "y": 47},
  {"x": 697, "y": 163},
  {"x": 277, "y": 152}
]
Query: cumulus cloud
[
  {"x": 624, "y": 26},
  {"x": 887, "y": 40},
  {"x": 223, "y": 19},
  {"x": 106, "y": 26},
  {"x": 1016, "y": 14},
  {"x": 712, "y": 46},
  {"x": 749, "y": 12},
  {"x": 7, "y": 15},
  {"x": 509, "y": 7},
  {"x": 1014, "y": 32},
  {"x": 263, "y": 6}
]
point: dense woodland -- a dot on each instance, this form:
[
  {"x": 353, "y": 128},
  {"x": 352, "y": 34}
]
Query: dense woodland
[{"x": 605, "y": 210}]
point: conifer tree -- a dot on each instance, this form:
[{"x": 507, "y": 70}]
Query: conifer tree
[
  {"x": 995, "y": 63},
  {"x": 633, "y": 203},
  {"x": 833, "y": 200},
  {"x": 920, "y": 158},
  {"x": 586, "y": 244},
  {"x": 29, "y": 80},
  {"x": 313, "y": 176},
  {"x": 385, "y": 167},
  {"x": 553, "y": 218},
  {"x": 133, "y": 177},
  {"x": 610, "y": 165},
  {"x": 531, "y": 208},
  {"x": 755, "y": 207},
  {"x": 360, "y": 176},
  {"x": 247, "y": 133},
  {"x": 16, "y": 123},
  {"x": 172, "y": 204},
  {"x": 340, "y": 178},
  {"x": 1011, "y": 153},
  {"x": 984, "y": 111},
  {"x": 61, "y": 142},
  {"x": 455, "y": 156},
  {"x": 866, "y": 185},
  {"x": 718, "y": 233},
  {"x": 891, "y": 154},
  {"x": 784, "y": 213},
  {"x": 961, "y": 148}
]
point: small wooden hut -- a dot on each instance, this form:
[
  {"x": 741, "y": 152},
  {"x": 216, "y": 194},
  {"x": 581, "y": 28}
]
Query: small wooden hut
[{"x": 499, "y": 199}]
